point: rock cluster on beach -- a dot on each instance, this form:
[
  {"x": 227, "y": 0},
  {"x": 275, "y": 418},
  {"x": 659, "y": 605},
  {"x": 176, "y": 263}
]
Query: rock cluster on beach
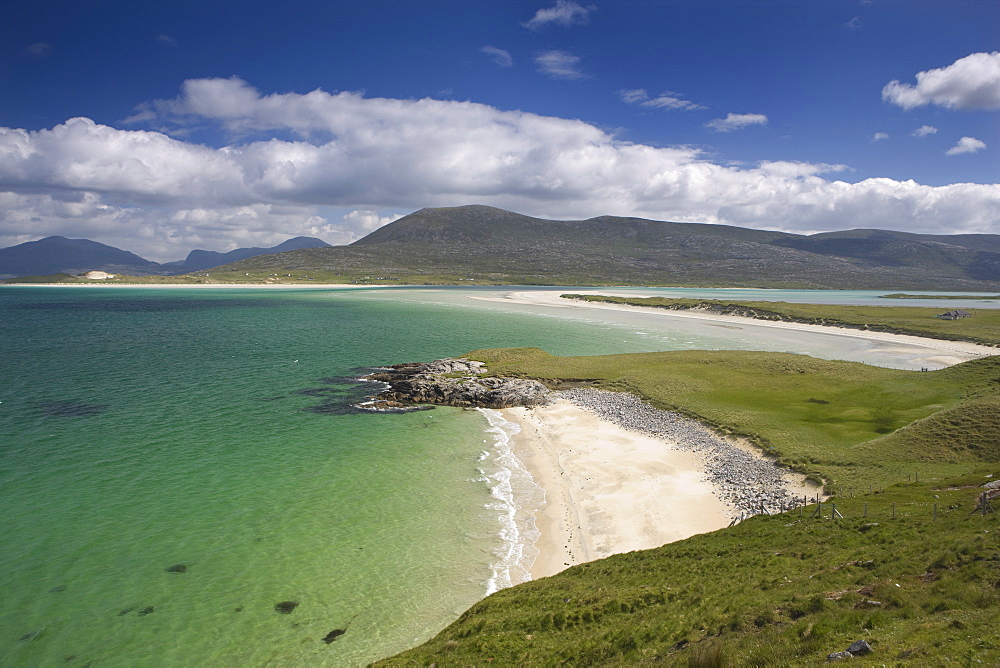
[
  {"x": 452, "y": 382},
  {"x": 750, "y": 484}
]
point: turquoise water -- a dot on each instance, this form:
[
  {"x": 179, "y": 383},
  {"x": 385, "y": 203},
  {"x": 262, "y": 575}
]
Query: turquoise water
[{"x": 142, "y": 429}]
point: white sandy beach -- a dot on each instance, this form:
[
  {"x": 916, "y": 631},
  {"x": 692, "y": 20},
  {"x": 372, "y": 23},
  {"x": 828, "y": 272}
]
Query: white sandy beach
[
  {"x": 937, "y": 352},
  {"x": 608, "y": 490}
]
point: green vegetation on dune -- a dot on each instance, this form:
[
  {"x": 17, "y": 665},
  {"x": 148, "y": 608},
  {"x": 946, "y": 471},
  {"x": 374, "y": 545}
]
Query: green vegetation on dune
[
  {"x": 982, "y": 327},
  {"x": 771, "y": 591},
  {"x": 908, "y": 564}
]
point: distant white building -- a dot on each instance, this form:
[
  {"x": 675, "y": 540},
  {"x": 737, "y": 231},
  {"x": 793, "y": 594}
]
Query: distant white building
[{"x": 98, "y": 275}]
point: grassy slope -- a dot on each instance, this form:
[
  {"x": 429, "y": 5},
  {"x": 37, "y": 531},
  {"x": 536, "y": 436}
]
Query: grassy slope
[
  {"x": 982, "y": 327},
  {"x": 783, "y": 590}
]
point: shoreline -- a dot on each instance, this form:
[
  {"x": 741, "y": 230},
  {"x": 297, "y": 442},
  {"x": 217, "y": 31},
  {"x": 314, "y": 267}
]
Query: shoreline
[
  {"x": 946, "y": 352},
  {"x": 610, "y": 488}
]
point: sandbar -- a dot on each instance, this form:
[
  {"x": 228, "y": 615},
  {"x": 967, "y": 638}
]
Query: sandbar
[{"x": 934, "y": 352}]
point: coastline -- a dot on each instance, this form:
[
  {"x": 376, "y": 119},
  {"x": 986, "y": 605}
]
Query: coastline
[
  {"x": 944, "y": 352},
  {"x": 609, "y": 489}
]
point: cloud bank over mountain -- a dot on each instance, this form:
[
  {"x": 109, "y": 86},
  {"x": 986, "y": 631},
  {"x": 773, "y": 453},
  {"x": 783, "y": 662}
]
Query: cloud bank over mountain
[{"x": 336, "y": 165}]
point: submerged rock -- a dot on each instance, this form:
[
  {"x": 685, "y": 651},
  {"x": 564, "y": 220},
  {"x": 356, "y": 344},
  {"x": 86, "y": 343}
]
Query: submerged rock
[
  {"x": 177, "y": 568},
  {"x": 71, "y": 409},
  {"x": 285, "y": 607},
  {"x": 333, "y": 635},
  {"x": 146, "y": 611}
]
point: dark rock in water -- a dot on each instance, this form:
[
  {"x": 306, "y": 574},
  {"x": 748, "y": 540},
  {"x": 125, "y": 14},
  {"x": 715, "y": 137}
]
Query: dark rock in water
[
  {"x": 239, "y": 609},
  {"x": 177, "y": 568},
  {"x": 285, "y": 607},
  {"x": 125, "y": 612},
  {"x": 30, "y": 635},
  {"x": 57, "y": 589},
  {"x": 71, "y": 409},
  {"x": 280, "y": 396},
  {"x": 860, "y": 648},
  {"x": 333, "y": 635},
  {"x": 453, "y": 382},
  {"x": 146, "y": 611}
]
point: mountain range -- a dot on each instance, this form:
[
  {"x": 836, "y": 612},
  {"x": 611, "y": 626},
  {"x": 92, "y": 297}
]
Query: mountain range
[
  {"x": 53, "y": 255},
  {"x": 491, "y": 246}
]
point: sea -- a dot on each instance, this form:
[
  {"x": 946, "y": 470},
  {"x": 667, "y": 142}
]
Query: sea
[{"x": 184, "y": 480}]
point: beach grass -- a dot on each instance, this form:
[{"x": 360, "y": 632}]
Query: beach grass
[
  {"x": 982, "y": 327},
  {"x": 848, "y": 423},
  {"x": 919, "y": 584},
  {"x": 900, "y": 556}
]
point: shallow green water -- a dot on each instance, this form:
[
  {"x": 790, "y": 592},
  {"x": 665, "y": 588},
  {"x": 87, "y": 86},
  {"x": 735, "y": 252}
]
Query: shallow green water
[{"x": 142, "y": 429}]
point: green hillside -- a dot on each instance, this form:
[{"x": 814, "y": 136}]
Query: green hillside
[
  {"x": 905, "y": 564},
  {"x": 483, "y": 245}
]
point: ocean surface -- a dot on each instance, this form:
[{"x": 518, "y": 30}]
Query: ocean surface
[{"x": 177, "y": 463}]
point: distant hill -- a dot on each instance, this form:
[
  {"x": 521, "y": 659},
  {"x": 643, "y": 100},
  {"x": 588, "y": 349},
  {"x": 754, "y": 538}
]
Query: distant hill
[
  {"x": 203, "y": 259},
  {"x": 59, "y": 255},
  {"x": 53, "y": 255},
  {"x": 491, "y": 245}
]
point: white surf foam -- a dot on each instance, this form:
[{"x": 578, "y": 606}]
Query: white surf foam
[{"x": 517, "y": 498}]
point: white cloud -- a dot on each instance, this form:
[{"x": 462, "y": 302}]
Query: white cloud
[
  {"x": 736, "y": 122},
  {"x": 880, "y": 136},
  {"x": 972, "y": 82},
  {"x": 359, "y": 161},
  {"x": 854, "y": 24},
  {"x": 563, "y": 13},
  {"x": 559, "y": 65},
  {"x": 633, "y": 95},
  {"x": 925, "y": 130},
  {"x": 966, "y": 145},
  {"x": 38, "y": 50},
  {"x": 666, "y": 100},
  {"x": 167, "y": 39},
  {"x": 498, "y": 56}
]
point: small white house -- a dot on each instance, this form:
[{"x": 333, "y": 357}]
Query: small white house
[{"x": 98, "y": 275}]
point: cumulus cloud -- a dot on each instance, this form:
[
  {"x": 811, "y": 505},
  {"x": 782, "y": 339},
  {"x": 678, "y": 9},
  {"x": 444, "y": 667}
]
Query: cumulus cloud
[
  {"x": 559, "y": 65},
  {"x": 966, "y": 145},
  {"x": 666, "y": 100},
  {"x": 736, "y": 122},
  {"x": 880, "y": 136},
  {"x": 925, "y": 130},
  {"x": 498, "y": 56},
  {"x": 563, "y": 13},
  {"x": 972, "y": 82},
  {"x": 345, "y": 164}
]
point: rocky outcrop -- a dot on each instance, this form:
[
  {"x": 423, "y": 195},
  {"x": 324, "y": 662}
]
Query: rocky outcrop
[{"x": 452, "y": 382}]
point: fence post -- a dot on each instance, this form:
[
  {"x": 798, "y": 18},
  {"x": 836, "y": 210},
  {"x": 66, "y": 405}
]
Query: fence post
[{"x": 866, "y": 510}]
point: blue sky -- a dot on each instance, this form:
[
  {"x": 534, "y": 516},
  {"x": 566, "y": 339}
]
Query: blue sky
[{"x": 222, "y": 124}]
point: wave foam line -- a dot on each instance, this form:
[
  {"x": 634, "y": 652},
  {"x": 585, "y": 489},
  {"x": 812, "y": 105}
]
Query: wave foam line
[{"x": 517, "y": 497}]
